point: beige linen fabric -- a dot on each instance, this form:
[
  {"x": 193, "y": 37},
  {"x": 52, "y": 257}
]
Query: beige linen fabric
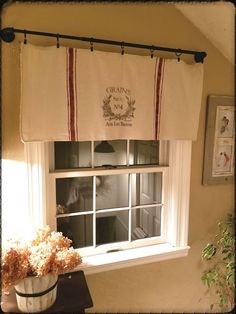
[
  {"x": 75, "y": 94},
  {"x": 43, "y": 94},
  {"x": 181, "y": 100}
]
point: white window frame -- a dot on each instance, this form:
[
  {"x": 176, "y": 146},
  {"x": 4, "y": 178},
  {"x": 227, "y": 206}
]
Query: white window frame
[{"x": 177, "y": 176}]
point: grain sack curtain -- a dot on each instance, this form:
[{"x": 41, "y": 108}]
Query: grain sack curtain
[{"x": 70, "y": 94}]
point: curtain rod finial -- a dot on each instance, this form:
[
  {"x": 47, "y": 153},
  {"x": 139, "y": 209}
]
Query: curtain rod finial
[
  {"x": 7, "y": 34},
  {"x": 199, "y": 56}
]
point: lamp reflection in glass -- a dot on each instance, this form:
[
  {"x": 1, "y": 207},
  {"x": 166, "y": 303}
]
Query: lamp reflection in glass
[{"x": 104, "y": 147}]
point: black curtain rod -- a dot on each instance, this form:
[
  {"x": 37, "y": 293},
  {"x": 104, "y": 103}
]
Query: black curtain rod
[{"x": 8, "y": 35}]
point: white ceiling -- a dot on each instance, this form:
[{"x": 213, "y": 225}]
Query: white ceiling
[{"x": 216, "y": 21}]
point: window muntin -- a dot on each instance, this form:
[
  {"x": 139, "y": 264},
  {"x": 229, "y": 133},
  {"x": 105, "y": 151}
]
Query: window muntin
[{"x": 123, "y": 193}]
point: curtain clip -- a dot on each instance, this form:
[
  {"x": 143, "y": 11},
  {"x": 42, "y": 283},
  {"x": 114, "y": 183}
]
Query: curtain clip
[
  {"x": 178, "y": 55},
  {"x": 122, "y": 48},
  {"x": 152, "y": 51},
  {"x": 58, "y": 44},
  {"x": 91, "y": 44},
  {"x": 25, "y": 38}
]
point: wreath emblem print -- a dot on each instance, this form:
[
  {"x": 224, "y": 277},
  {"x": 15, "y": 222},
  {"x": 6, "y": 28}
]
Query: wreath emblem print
[{"x": 118, "y": 105}]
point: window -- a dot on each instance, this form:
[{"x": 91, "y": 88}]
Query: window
[
  {"x": 111, "y": 196},
  {"x": 121, "y": 202}
]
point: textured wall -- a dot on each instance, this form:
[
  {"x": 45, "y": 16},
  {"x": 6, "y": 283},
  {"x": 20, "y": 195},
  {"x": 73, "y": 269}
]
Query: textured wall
[{"x": 165, "y": 286}]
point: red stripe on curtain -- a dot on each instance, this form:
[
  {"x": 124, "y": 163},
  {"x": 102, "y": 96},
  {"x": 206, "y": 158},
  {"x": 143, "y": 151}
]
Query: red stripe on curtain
[
  {"x": 71, "y": 99},
  {"x": 159, "y": 81},
  {"x": 67, "y": 85},
  {"x": 75, "y": 91}
]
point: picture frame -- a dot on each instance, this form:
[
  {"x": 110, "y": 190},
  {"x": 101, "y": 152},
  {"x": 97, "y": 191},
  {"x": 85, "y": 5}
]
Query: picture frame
[{"x": 219, "y": 141}]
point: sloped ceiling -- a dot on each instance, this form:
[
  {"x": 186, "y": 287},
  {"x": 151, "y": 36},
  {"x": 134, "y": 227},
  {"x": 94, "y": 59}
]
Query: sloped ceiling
[{"x": 216, "y": 21}]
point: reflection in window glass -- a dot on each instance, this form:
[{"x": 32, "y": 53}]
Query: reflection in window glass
[
  {"x": 77, "y": 228},
  {"x": 146, "y": 222},
  {"x": 147, "y": 188},
  {"x": 112, "y": 191},
  {"x": 112, "y": 227},
  {"x": 144, "y": 153},
  {"x": 72, "y": 155},
  {"x": 74, "y": 194},
  {"x": 105, "y": 157},
  {"x": 77, "y": 195}
]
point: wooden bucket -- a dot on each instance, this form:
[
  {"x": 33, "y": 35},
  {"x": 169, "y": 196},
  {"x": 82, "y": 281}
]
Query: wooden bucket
[{"x": 36, "y": 294}]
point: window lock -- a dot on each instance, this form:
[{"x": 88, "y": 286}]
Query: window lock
[{"x": 114, "y": 250}]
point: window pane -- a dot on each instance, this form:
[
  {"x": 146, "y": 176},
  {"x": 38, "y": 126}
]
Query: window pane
[
  {"x": 78, "y": 228},
  {"x": 146, "y": 188},
  {"x": 146, "y": 222},
  {"x": 112, "y": 227},
  {"x": 112, "y": 192},
  {"x": 144, "y": 153},
  {"x": 72, "y": 155},
  {"x": 105, "y": 157},
  {"x": 74, "y": 194}
]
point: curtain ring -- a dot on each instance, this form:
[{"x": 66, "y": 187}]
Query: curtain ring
[
  {"x": 178, "y": 55},
  {"x": 58, "y": 44},
  {"x": 122, "y": 48},
  {"x": 25, "y": 39},
  {"x": 91, "y": 44}
]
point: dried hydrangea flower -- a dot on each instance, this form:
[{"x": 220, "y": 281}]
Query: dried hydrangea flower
[
  {"x": 15, "y": 266},
  {"x": 47, "y": 252},
  {"x": 40, "y": 235},
  {"x": 41, "y": 258},
  {"x": 65, "y": 260},
  {"x": 59, "y": 241}
]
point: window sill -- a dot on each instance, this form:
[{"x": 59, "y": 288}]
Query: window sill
[{"x": 131, "y": 257}]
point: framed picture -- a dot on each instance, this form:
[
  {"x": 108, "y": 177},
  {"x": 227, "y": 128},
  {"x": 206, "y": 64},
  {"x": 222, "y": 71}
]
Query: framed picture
[{"x": 219, "y": 141}]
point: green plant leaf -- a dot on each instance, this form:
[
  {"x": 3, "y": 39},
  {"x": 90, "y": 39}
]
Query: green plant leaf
[
  {"x": 210, "y": 277},
  {"x": 209, "y": 251},
  {"x": 220, "y": 254},
  {"x": 223, "y": 300}
]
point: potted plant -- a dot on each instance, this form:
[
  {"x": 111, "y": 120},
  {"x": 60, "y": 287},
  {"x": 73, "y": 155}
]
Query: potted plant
[
  {"x": 220, "y": 256},
  {"x": 33, "y": 267}
]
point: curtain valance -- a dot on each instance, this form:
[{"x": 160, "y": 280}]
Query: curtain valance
[{"x": 70, "y": 94}]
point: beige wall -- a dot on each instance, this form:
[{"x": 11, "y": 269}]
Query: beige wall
[{"x": 167, "y": 286}]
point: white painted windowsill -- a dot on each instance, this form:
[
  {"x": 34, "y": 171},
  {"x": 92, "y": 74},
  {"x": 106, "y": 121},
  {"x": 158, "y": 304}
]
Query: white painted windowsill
[{"x": 131, "y": 257}]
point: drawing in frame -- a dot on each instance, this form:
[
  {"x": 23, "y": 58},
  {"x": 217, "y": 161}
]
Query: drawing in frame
[{"x": 219, "y": 141}]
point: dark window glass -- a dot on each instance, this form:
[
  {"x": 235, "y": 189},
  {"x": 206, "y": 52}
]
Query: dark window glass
[
  {"x": 112, "y": 227},
  {"x": 146, "y": 222},
  {"x": 144, "y": 152},
  {"x": 74, "y": 194},
  {"x": 77, "y": 228},
  {"x": 110, "y": 153},
  {"x": 69, "y": 155},
  {"x": 112, "y": 191},
  {"x": 147, "y": 188}
]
